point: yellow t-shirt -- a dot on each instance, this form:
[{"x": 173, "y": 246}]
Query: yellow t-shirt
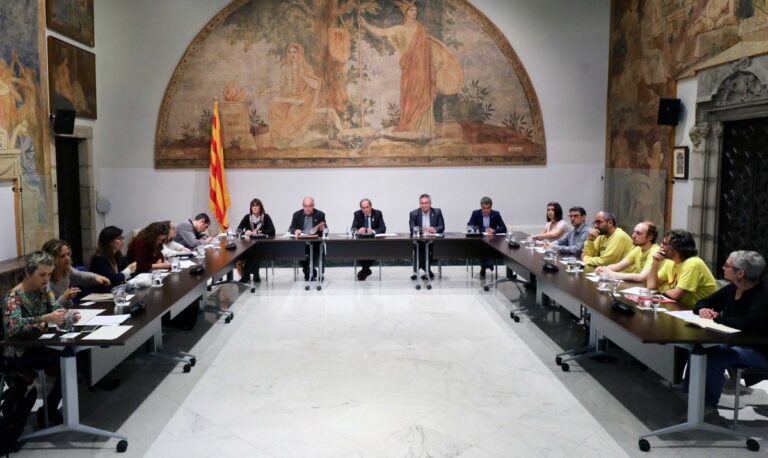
[
  {"x": 606, "y": 250},
  {"x": 639, "y": 260},
  {"x": 691, "y": 275}
]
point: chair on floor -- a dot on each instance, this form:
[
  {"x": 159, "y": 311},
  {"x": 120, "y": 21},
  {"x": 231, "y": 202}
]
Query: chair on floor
[{"x": 745, "y": 371}]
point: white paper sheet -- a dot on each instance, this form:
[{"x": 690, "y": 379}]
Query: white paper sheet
[
  {"x": 86, "y": 314},
  {"x": 98, "y": 297},
  {"x": 106, "y": 320},
  {"x": 107, "y": 333},
  {"x": 388, "y": 234},
  {"x": 635, "y": 290},
  {"x": 185, "y": 264}
]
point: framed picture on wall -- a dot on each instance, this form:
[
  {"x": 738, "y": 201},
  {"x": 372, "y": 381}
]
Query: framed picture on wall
[
  {"x": 72, "y": 78},
  {"x": 680, "y": 163},
  {"x": 71, "y": 18}
]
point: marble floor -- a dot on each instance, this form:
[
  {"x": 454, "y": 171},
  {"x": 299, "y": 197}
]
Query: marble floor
[{"x": 378, "y": 369}]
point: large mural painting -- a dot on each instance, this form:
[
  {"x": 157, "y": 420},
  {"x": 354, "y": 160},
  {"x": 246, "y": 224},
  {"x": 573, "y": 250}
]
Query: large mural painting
[
  {"x": 24, "y": 140},
  {"x": 338, "y": 83},
  {"x": 653, "y": 44}
]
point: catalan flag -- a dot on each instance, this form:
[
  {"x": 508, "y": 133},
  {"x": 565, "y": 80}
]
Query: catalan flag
[{"x": 218, "y": 200}]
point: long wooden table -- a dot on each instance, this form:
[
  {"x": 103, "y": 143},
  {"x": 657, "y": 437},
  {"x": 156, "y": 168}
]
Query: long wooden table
[
  {"x": 177, "y": 292},
  {"x": 645, "y": 335}
]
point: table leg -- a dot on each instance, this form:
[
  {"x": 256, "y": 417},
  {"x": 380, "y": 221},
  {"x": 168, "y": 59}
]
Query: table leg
[
  {"x": 695, "y": 421},
  {"x": 68, "y": 362}
]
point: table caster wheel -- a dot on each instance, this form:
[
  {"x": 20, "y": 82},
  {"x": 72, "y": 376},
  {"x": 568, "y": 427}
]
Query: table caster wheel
[
  {"x": 511, "y": 315},
  {"x": 429, "y": 286},
  {"x": 253, "y": 289},
  {"x": 187, "y": 368},
  {"x": 192, "y": 362},
  {"x": 306, "y": 288},
  {"x": 122, "y": 446},
  {"x": 418, "y": 287},
  {"x": 565, "y": 367},
  {"x": 517, "y": 319},
  {"x": 753, "y": 445},
  {"x": 644, "y": 445},
  {"x": 486, "y": 288},
  {"x": 558, "y": 360},
  {"x": 228, "y": 319},
  {"x": 319, "y": 287}
]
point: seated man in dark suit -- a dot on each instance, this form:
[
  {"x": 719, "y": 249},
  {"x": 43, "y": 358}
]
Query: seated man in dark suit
[
  {"x": 489, "y": 221},
  {"x": 308, "y": 220},
  {"x": 367, "y": 221},
  {"x": 430, "y": 220}
]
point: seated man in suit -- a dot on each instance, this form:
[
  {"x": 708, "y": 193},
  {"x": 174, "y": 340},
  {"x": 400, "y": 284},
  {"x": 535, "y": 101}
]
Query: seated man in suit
[
  {"x": 490, "y": 222},
  {"x": 430, "y": 220},
  {"x": 308, "y": 220},
  {"x": 367, "y": 221},
  {"x": 191, "y": 232}
]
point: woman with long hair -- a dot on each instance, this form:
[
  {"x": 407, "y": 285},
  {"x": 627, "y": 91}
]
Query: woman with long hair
[
  {"x": 108, "y": 259},
  {"x": 146, "y": 249},
  {"x": 257, "y": 221},
  {"x": 64, "y": 276},
  {"x": 556, "y": 227}
]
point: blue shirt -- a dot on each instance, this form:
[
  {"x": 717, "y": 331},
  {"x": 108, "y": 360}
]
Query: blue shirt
[{"x": 573, "y": 241}]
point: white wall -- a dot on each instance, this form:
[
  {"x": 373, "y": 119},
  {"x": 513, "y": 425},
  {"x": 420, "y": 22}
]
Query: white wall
[
  {"x": 562, "y": 44},
  {"x": 682, "y": 190}
]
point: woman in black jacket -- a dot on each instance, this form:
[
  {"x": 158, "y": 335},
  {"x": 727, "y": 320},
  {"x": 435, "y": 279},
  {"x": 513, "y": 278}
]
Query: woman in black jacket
[
  {"x": 108, "y": 260},
  {"x": 254, "y": 223},
  {"x": 743, "y": 304}
]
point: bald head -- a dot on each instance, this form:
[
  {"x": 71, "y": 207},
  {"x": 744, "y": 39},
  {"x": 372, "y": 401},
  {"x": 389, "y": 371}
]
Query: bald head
[{"x": 308, "y": 204}]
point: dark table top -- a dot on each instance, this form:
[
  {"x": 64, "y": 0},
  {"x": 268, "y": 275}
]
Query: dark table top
[
  {"x": 649, "y": 328},
  {"x": 177, "y": 287}
]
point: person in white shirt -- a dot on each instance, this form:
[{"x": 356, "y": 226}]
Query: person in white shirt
[{"x": 556, "y": 227}]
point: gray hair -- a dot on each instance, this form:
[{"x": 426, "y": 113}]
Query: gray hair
[
  {"x": 425, "y": 196},
  {"x": 749, "y": 262},
  {"x": 486, "y": 201},
  {"x": 36, "y": 259}
]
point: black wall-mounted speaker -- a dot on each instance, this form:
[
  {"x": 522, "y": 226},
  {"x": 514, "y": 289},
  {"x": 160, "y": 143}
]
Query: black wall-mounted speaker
[
  {"x": 669, "y": 112},
  {"x": 63, "y": 122}
]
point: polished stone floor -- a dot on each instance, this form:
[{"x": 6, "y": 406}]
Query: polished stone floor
[{"x": 378, "y": 369}]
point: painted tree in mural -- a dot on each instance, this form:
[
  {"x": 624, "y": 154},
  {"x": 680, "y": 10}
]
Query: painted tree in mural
[{"x": 330, "y": 31}]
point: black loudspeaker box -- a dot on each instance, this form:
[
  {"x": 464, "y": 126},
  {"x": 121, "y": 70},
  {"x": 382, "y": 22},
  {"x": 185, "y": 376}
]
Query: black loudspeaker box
[
  {"x": 64, "y": 122},
  {"x": 669, "y": 112}
]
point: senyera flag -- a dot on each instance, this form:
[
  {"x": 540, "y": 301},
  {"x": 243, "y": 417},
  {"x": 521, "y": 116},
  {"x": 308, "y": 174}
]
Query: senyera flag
[{"x": 218, "y": 200}]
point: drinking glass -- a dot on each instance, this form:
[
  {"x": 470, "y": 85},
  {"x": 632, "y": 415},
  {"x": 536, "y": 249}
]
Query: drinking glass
[
  {"x": 230, "y": 235},
  {"x": 200, "y": 249},
  {"x": 656, "y": 302},
  {"x": 511, "y": 236},
  {"x": 119, "y": 296},
  {"x": 157, "y": 279},
  {"x": 644, "y": 298},
  {"x": 416, "y": 231},
  {"x": 470, "y": 229},
  {"x": 529, "y": 243},
  {"x": 69, "y": 321},
  {"x": 175, "y": 264},
  {"x": 325, "y": 232},
  {"x": 615, "y": 285},
  {"x": 603, "y": 283}
]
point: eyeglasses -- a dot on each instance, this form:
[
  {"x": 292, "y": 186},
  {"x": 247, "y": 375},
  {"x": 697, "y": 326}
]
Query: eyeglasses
[
  {"x": 730, "y": 266},
  {"x": 575, "y": 215},
  {"x": 598, "y": 222}
]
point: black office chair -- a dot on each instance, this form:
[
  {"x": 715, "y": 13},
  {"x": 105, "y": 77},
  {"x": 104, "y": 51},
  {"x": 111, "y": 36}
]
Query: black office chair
[
  {"x": 745, "y": 371},
  {"x": 6, "y": 373}
]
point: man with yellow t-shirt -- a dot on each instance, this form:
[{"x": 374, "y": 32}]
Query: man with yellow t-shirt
[
  {"x": 606, "y": 243},
  {"x": 688, "y": 278},
  {"x": 635, "y": 266}
]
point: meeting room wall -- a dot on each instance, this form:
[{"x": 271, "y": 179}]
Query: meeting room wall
[{"x": 562, "y": 44}]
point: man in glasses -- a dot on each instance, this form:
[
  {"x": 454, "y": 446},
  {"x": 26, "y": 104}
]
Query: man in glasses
[
  {"x": 687, "y": 278},
  {"x": 606, "y": 242},
  {"x": 572, "y": 243}
]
